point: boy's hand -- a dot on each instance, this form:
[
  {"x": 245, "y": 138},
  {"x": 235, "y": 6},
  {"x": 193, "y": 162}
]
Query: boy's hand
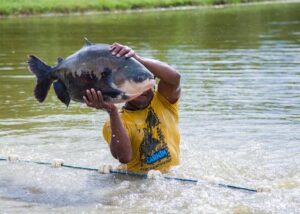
[
  {"x": 120, "y": 50},
  {"x": 95, "y": 100}
]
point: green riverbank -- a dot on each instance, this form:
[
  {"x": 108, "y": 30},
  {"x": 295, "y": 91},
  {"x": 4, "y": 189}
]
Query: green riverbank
[{"x": 29, "y": 7}]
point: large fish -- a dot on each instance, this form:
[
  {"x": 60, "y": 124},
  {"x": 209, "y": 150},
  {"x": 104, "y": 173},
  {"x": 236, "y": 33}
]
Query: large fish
[{"x": 119, "y": 79}]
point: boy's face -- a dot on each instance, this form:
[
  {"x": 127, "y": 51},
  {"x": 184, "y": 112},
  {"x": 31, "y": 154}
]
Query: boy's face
[{"x": 143, "y": 100}]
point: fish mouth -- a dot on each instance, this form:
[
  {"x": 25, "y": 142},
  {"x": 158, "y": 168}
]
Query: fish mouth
[
  {"x": 129, "y": 90},
  {"x": 112, "y": 96},
  {"x": 134, "y": 89}
]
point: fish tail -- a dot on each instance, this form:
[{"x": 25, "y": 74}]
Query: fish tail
[{"x": 41, "y": 71}]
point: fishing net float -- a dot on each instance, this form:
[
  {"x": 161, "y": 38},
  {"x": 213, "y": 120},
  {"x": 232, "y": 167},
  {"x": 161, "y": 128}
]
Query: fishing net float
[{"x": 152, "y": 174}]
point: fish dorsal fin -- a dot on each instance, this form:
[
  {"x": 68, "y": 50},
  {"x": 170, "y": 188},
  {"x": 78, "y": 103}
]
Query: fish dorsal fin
[
  {"x": 87, "y": 42},
  {"x": 60, "y": 59}
]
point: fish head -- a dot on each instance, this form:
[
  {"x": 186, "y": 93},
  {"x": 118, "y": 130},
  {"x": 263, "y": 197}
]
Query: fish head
[{"x": 133, "y": 80}]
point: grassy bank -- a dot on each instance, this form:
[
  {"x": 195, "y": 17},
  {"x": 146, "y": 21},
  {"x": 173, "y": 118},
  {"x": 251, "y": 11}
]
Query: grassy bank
[{"x": 28, "y": 7}]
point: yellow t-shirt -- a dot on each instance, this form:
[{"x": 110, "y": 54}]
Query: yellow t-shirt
[{"x": 154, "y": 135}]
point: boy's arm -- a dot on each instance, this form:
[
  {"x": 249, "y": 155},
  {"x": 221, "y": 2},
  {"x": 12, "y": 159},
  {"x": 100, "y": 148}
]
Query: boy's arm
[
  {"x": 120, "y": 145},
  {"x": 169, "y": 84}
]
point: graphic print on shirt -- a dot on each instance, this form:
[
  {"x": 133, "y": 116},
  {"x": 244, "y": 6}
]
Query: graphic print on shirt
[{"x": 153, "y": 149}]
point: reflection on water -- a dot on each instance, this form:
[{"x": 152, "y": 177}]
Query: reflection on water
[{"x": 239, "y": 113}]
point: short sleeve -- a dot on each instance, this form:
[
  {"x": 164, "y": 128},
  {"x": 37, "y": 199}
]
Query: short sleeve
[
  {"x": 106, "y": 131},
  {"x": 173, "y": 107}
]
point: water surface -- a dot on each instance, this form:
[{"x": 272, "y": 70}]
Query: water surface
[{"x": 239, "y": 113}]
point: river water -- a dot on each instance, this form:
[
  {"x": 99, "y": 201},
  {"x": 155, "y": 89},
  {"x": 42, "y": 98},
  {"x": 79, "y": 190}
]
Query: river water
[{"x": 239, "y": 113}]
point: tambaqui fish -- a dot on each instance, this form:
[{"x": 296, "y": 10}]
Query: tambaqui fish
[{"x": 119, "y": 79}]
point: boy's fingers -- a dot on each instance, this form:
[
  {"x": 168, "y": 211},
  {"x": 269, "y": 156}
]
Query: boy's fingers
[
  {"x": 104, "y": 105},
  {"x": 114, "y": 45},
  {"x": 124, "y": 51},
  {"x": 111, "y": 48},
  {"x": 117, "y": 50},
  {"x": 95, "y": 96},
  {"x": 100, "y": 97},
  {"x": 130, "y": 54},
  {"x": 86, "y": 101},
  {"x": 89, "y": 96},
  {"x": 101, "y": 100}
]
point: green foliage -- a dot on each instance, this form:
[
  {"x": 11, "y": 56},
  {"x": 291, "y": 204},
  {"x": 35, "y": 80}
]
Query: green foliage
[{"x": 15, "y": 7}]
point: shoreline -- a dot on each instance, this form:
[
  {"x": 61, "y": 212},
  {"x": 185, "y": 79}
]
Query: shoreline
[{"x": 154, "y": 9}]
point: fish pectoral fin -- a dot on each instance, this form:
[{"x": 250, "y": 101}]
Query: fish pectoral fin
[{"x": 61, "y": 92}]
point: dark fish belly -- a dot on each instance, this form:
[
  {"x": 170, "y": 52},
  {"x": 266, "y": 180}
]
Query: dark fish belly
[{"x": 78, "y": 84}]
